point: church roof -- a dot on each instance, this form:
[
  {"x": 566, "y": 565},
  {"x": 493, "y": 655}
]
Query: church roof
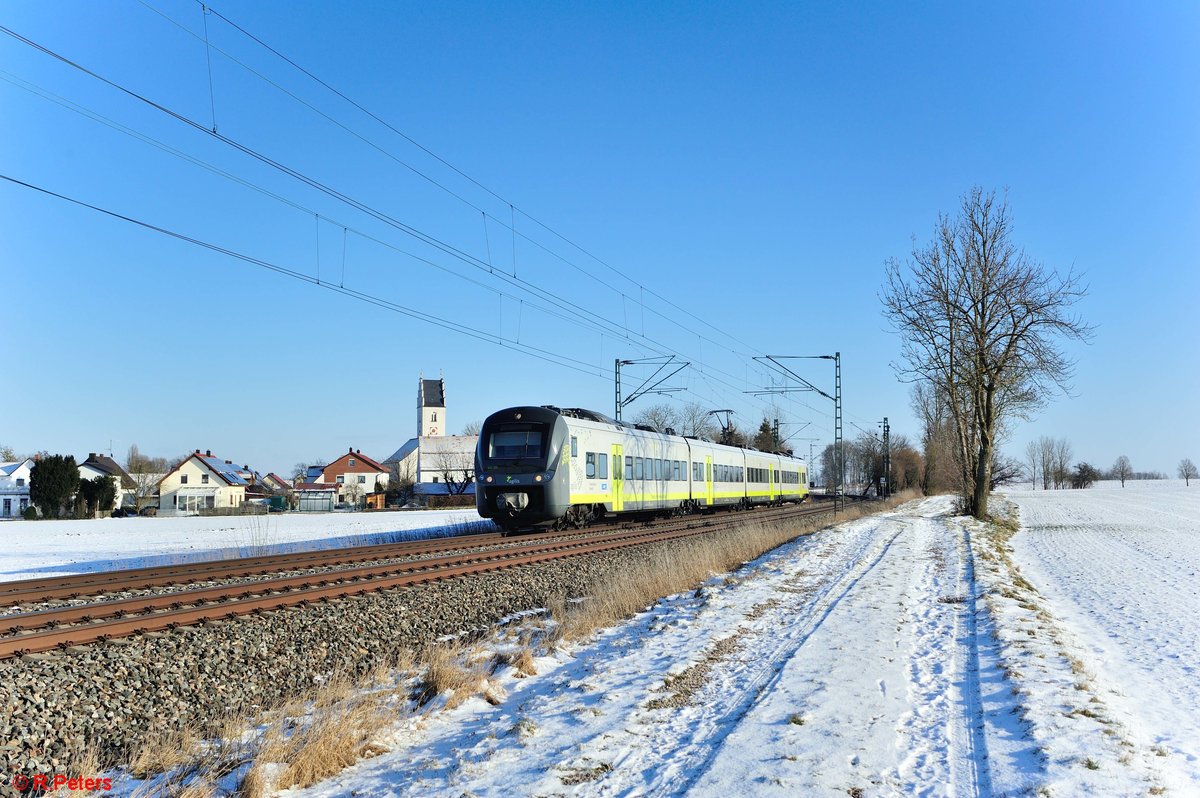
[{"x": 431, "y": 394}]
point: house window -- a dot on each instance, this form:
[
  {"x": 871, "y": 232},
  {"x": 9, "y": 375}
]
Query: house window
[
  {"x": 183, "y": 479},
  {"x": 204, "y": 479},
  {"x": 434, "y": 416},
  {"x": 24, "y": 505},
  {"x": 351, "y": 461},
  {"x": 435, "y": 479},
  {"x": 362, "y": 480},
  {"x": 341, "y": 480},
  {"x": 20, "y": 482},
  {"x": 8, "y": 506}
]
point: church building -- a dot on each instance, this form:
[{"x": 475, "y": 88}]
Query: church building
[{"x": 440, "y": 464}]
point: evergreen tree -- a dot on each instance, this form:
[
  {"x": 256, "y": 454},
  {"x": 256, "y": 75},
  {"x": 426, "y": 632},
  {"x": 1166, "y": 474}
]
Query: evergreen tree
[
  {"x": 764, "y": 440},
  {"x": 53, "y": 480}
]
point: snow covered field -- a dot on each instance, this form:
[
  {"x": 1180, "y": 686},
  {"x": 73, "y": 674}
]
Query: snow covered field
[
  {"x": 53, "y": 548},
  {"x": 1121, "y": 568}
]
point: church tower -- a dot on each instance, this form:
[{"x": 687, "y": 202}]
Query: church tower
[{"x": 431, "y": 407}]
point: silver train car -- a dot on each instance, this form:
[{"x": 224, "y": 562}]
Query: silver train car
[{"x": 549, "y": 466}]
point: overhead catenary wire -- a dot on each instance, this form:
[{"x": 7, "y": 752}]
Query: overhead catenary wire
[
  {"x": 513, "y": 209},
  {"x": 430, "y": 240},
  {"x": 542, "y": 354},
  {"x": 443, "y": 246},
  {"x": 100, "y": 118}
]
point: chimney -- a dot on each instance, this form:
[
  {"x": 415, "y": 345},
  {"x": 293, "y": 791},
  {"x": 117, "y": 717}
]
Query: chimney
[
  {"x": 91, "y": 455},
  {"x": 197, "y": 451},
  {"x": 228, "y": 462},
  {"x": 359, "y": 451},
  {"x": 208, "y": 452},
  {"x": 351, "y": 450}
]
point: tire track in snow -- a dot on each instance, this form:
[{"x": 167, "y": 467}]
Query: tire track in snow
[
  {"x": 972, "y": 724},
  {"x": 695, "y": 742}
]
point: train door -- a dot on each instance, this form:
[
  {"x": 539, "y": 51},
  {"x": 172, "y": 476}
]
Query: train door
[
  {"x": 618, "y": 479},
  {"x": 708, "y": 480},
  {"x": 771, "y": 484}
]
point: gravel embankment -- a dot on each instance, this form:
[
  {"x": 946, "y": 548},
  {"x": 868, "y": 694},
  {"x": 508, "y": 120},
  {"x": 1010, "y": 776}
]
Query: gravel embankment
[{"x": 113, "y": 695}]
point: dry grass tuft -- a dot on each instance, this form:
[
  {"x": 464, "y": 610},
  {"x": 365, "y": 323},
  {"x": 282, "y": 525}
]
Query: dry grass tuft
[
  {"x": 521, "y": 661},
  {"x": 336, "y": 735},
  {"x": 445, "y": 672}
]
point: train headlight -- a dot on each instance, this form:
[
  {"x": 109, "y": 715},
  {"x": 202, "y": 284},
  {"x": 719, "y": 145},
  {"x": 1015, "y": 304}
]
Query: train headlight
[
  {"x": 538, "y": 478},
  {"x": 489, "y": 479}
]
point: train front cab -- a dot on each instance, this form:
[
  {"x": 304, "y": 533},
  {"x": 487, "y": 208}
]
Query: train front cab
[{"x": 522, "y": 467}]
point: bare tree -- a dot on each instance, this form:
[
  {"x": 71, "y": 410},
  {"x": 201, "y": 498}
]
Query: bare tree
[
  {"x": 351, "y": 491},
  {"x": 7, "y": 455},
  {"x": 401, "y": 481},
  {"x": 1187, "y": 471},
  {"x": 1062, "y": 463},
  {"x": 456, "y": 468},
  {"x": 146, "y": 472},
  {"x": 472, "y": 428},
  {"x": 1122, "y": 469},
  {"x": 980, "y": 320},
  {"x": 659, "y": 417},
  {"x": 1004, "y": 470},
  {"x": 1033, "y": 460},
  {"x": 937, "y": 439},
  {"x": 693, "y": 419}
]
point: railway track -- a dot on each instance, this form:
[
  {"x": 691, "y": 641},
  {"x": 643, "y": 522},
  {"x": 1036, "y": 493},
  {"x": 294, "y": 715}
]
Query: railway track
[{"x": 102, "y": 619}]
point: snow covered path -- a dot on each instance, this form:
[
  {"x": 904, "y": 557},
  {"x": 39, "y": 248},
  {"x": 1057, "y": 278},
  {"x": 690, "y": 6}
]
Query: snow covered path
[
  {"x": 1120, "y": 568},
  {"x": 843, "y": 663}
]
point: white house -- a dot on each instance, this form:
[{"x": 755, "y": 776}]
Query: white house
[
  {"x": 14, "y": 487},
  {"x": 99, "y": 465},
  {"x": 204, "y": 482}
]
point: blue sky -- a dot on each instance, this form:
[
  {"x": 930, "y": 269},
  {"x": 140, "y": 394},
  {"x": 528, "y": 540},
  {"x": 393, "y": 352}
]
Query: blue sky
[{"x": 754, "y": 164}]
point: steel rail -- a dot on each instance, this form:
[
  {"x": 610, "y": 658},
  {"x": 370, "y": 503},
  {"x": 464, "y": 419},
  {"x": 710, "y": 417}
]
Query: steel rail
[{"x": 49, "y": 639}]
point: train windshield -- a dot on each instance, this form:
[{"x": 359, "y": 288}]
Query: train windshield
[{"x": 515, "y": 444}]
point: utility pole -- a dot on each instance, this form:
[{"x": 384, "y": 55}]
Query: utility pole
[
  {"x": 887, "y": 459},
  {"x": 805, "y": 385}
]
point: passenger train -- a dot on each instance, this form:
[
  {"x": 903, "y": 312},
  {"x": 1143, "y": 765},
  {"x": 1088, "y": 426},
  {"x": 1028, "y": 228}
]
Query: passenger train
[{"x": 550, "y": 466}]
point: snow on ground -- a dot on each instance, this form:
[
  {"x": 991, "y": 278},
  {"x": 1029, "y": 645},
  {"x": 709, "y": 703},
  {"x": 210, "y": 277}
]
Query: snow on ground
[
  {"x": 1120, "y": 568},
  {"x": 847, "y": 662},
  {"x": 54, "y": 548}
]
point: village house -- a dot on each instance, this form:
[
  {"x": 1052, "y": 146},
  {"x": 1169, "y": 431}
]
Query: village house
[
  {"x": 205, "y": 482},
  {"x": 99, "y": 465},
  {"x": 14, "y": 487},
  {"x": 357, "y": 477}
]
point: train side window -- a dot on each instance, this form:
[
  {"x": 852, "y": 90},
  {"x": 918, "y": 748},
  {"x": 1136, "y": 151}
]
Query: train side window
[
  {"x": 603, "y": 466},
  {"x": 574, "y": 446},
  {"x": 675, "y": 469},
  {"x": 658, "y": 468},
  {"x": 637, "y": 468},
  {"x": 590, "y": 467},
  {"x": 628, "y": 467}
]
